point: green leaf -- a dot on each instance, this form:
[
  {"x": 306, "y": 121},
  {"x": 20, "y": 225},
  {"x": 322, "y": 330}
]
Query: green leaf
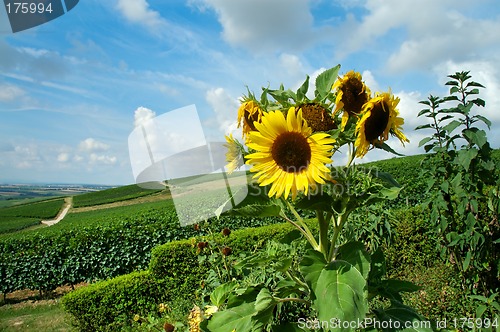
[
  {"x": 424, "y": 111},
  {"x": 311, "y": 266},
  {"x": 472, "y": 92},
  {"x": 301, "y": 92},
  {"x": 390, "y": 193},
  {"x": 424, "y": 126},
  {"x": 429, "y": 147},
  {"x": 377, "y": 268},
  {"x": 255, "y": 198},
  {"x": 387, "y": 148},
  {"x": 340, "y": 294},
  {"x": 450, "y": 127},
  {"x": 467, "y": 261},
  {"x": 476, "y": 84},
  {"x": 221, "y": 293},
  {"x": 264, "y": 300},
  {"x": 404, "y": 315},
  {"x": 355, "y": 254},
  {"x": 325, "y": 81},
  {"x": 321, "y": 201},
  {"x": 283, "y": 96},
  {"x": 478, "y": 102},
  {"x": 237, "y": 318},
  {"x": 465, "y": 157},
  {"x": 424, "y": 141},
  {"x": 283, "y": 265},
  {"x": 483, "y": 119},
  {"x": 476, "y": 136},
  {"x": 387, "y": 177}
]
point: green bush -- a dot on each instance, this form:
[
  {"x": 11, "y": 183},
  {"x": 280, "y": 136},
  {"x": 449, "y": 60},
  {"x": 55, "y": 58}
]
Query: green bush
[
  {"x": 441, "y": 296},
  {"x": 110, "y": 305},
  {"x": 414, "y": 256},
  {"x": 414, "y": 243},
  {"x": 174, "y": 276}
]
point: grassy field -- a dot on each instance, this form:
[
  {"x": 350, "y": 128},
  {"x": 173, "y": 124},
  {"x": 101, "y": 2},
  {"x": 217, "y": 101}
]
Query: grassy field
[
  {"x": 18, "y": 217},
  {"x": 112, "y": 195},
  {"x": 130, "y": 203},
  {"x": 40, "y": 316}
]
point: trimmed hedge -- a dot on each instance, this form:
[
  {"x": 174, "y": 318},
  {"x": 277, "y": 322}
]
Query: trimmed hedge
[
  {"x": 109, "y": 305},
  {"x": 174, "y": 275}
]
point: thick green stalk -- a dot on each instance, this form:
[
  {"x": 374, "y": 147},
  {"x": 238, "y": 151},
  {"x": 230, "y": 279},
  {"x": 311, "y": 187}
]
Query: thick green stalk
[
  {"x": 323, "y": 233},
  {"x": 339, "y": 224},
  {"x": 302, "y": 227}
]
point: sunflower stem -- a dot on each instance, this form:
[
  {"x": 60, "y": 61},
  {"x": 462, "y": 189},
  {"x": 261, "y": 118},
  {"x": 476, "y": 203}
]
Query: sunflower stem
[
  {"x": 323, "y": 233},
  {"x": 301, "y": 226},
  {"x": 352, "y": 154},
  {"x": 338, "y": 225}
]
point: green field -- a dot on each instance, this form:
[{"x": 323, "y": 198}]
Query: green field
[
  {"x": 116, "y": 240},
  {"x": 18, "y": 217},
  {"x": 112, "y": 195}
]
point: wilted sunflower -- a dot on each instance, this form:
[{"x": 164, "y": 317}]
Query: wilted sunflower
[
  {"x": 379, "y": 118},
  {"x": 289, "y": 156},
  {"x": 352, "y": 94},
  {"x": 233, "y": 154},
  {"x": 248, "y": 113}
]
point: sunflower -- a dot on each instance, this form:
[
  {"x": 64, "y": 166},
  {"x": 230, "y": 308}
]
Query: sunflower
[
  {"x": 289, "y": 156},
  {"x": 248, "y": 113},
  {"x": 379, "y": 117},
  {"x": 233, "y": 154},
  {"x": 352, "y": 94},
  {"x": 317, "y": 117}
]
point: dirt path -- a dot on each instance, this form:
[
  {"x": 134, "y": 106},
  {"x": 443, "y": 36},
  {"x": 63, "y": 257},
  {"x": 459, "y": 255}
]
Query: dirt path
[{"x": 68, "y": 201}]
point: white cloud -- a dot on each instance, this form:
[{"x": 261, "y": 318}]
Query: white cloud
[
  {"x": 262, "y": 25},
  {"x": 420, "y": 35},
  {"x": 370, "y": 81},
  {"x": 138, "y": 11},
  {"x": 91, "y": 145},
  {"x": 63, "y": 157},
  {"x": 224, "y": 106},
  {"x": 10, "y": 92},
  {"x": 104, "y": 159},
  {"x": 143, "y": 114}
]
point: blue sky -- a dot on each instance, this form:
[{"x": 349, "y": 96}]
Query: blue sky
[{"x": 72, "y": 89}]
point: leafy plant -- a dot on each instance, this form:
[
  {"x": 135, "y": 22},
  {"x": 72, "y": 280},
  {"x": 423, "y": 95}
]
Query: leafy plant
[
  {"x": 289, "y": 136},
  {"x": 464, "y": 183}
]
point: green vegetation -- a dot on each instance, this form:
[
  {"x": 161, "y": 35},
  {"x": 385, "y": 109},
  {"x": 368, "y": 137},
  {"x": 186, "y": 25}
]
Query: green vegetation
[
  {"x": 94, "y": 245},
  {"x": 175, "y": 273},
  {"x": 17, "y": 217},
  {"x": 42, "y": 316},
  {"x": 112, "y": 195}
]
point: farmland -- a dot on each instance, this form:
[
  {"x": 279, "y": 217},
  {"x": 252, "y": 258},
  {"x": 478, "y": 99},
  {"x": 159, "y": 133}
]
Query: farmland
[
  {"x": 100, "y": 243},
  {"x": 18, "y": 217}
]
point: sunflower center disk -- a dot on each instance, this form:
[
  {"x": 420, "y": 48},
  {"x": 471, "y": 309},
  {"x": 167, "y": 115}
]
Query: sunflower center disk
[
  {"x": 377, "y": 122},
  {"x": 291, "y": 152},
  {"x": 353, "y": 96}
]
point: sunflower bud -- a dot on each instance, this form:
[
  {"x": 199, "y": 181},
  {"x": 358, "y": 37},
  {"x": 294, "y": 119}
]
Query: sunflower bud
[
  {"x": 202, "y": 245},
  {"x": 168, "y": 327},
  {"x": 226, "y": 251}
]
